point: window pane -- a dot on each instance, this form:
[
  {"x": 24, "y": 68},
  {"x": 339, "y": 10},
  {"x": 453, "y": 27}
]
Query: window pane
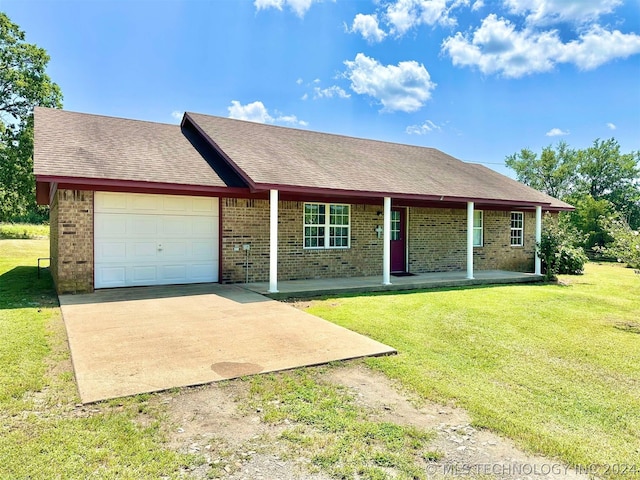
[
  {"x": 477, "y": 218},
  {"x": 477, "y": 237}
]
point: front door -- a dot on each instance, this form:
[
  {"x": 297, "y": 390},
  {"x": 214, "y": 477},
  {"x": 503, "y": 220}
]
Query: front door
[{"x": 398, "y": 240}]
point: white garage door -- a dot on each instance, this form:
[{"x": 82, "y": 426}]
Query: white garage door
[{"x": 154, "y": 239}]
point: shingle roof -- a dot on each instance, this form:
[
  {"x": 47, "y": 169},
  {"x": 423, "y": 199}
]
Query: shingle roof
[
  {"x": 69, "y": 144},
  {"x": 78, "y": 145},
  {"x": 277, "y": 156}
]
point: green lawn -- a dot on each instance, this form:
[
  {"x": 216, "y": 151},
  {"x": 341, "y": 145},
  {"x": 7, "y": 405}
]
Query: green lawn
[
  {"x": 23, "y": 230},
  {"x": 554, "y": 367},
  {"x": 43, "y": 434}
]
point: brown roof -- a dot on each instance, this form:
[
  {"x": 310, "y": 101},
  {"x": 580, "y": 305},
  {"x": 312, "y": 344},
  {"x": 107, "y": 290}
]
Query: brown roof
[
  {"x": 208, "y": 152},
  {"x": 268, "y": 155},
  {"x": 69, "y": 144}
]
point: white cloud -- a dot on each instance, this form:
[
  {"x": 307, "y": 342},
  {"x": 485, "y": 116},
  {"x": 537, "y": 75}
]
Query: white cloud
[
  {"x": 611, "y": 126},
  {"x": 304, "y": 97},
  {"x": 497, "y": 47},
  {"x": 477, "y": 5},
  {"x": 330, "y": 92},
  {"x": 545, "y": 12},
  {"x": 300, "y": 7},
  {"x": 598, "y": 46},
  {"x": 426, "y": 127},
  {"x": 405, "y": 87},
  {"x": 406, "y": 14},
  {"x": 367, "y": 26},
  {"x": 253, "y": 112},
  {"x": 299, "y": 81},
  {"x": 177, "y": 115},
  {"x": 556, "y": 132},
  {"x": 257, "y": 112},
  {"x": 291, "y": 120}
]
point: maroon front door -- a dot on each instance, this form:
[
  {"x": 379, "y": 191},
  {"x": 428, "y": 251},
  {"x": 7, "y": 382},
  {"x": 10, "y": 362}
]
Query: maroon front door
[{"x": 398, "y": 240}]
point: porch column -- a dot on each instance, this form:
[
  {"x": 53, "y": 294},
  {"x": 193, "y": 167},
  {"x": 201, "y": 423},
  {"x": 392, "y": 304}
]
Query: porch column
[
  {"x": 538, "y": 261},
  {"x": 470, "y": 240},
  {"x": 273, "y": 241},
  {"x": 386, "y": 243}
]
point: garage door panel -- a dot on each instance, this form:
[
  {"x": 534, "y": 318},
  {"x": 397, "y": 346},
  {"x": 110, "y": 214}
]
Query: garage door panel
[
  {"x": 110, "y": 251},
  {"x": 175, "y": 249},
  {"x": 144, "y": 203},
  {"x": 202, "y": 272},
  {"x": 111, "y": 226},
  {"x": 106, "y": 201},
  {"x": 143, "y": 251},
  {"x": 203, "y": 250},
  {"x": 144, "y": 274},
  {"x": 172, "y": 227},
  {"x": 203, "y": 227},
  {"x": 205, "y": 205},
  {"x": 112, "y": 276},
  {"x": 176, "y": 204},
  {"x": 174, "y": 273},
  {"x": 145, "y": 239}
]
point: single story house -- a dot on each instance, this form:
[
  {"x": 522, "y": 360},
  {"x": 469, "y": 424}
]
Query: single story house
[{"x": 137, "y": 203}]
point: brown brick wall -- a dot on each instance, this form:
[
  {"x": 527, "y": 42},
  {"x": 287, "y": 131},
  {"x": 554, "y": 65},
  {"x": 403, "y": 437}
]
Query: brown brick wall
[
  {"x": 247, "y": 222},
  {"x": 437, "y": 243},
  {"x": 497, "y": 252},
  {"x": 71, "y": 241}
]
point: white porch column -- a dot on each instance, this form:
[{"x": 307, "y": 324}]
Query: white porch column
[
  {"x": 470, "y": 240},
  {"x": 273, "y": 241},
  {"x": 386, "y": 242},
  {"x": 538, "y": 262}
]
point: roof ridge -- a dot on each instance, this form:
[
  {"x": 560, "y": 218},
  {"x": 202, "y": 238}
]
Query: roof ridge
[
  {"x": 317, "y": 132},
  {"x": 98, "y": 115}
]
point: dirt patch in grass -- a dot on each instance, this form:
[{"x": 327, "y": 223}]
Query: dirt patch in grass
[{"x": 235, "y": 443}]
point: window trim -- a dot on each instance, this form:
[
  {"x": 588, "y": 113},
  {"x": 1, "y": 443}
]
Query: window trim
[
  {"x": 327, "y": 226},
  {"x": 512, "y": 229},
  {"x": 480, "y": 228}
]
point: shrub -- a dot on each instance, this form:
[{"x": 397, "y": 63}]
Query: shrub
[
  {"x": 560, "y": 249},
  {"x": 625, "y": 246}
]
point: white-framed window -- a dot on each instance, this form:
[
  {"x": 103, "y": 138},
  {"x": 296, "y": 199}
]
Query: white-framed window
[
  {"x": 517, "y": 229},
  {"x": 327, "y": 225},
  {"x": 395, "y": 225},
  {"x": 478, "y": 221}
]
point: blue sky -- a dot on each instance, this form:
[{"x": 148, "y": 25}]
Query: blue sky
[{"x": 478, "y": 79}]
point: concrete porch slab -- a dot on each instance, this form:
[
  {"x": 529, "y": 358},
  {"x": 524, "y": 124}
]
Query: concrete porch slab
[
  {"x": 337, "y": 286},
  {"x": 136, "y": 340}
]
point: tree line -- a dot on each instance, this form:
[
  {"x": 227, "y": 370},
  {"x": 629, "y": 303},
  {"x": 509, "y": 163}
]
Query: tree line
[{"x": 601, "y": 182}]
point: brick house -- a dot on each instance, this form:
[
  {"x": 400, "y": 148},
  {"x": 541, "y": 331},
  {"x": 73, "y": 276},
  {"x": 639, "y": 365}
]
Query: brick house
[{"x": 137, "y": 203}]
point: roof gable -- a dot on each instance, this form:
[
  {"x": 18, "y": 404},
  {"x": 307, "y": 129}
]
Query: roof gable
[{"x": 270, "y": 156}]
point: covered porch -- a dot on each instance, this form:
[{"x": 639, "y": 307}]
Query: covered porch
[{"x": 339, "y": 286}]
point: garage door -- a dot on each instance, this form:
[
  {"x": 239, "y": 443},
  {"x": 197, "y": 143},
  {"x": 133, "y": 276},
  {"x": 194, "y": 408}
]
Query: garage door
[{"x": 154, "y": 239}]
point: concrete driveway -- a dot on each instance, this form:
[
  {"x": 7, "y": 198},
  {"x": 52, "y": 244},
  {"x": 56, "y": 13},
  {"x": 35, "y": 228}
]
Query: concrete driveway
[{"x": 136, "y": 340}]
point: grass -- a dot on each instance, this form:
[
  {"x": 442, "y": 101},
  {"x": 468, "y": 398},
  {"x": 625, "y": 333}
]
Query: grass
[
  {"x": 43, "y": 433},
  {"x": 23, "y": 231},
  {"x": 556, "y": 367},
  {"x": 335, "y": 433}
]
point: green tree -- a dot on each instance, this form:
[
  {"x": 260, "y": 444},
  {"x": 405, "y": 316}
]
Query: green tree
[
  {"x": 24, "y": 84},
  {"x": 607, "y": 174},
  {"x": 598, "y": 181},
  {"x": 625, "y": 246},
  {"x": 553, "y": 173}
]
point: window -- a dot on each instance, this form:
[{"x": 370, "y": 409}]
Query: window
[
  {"x": 326, "y": 225},
  {"x": 477, "y": 228},
  {"x": 395, "y": 225},
  {"x": 517, "y": 229}
]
